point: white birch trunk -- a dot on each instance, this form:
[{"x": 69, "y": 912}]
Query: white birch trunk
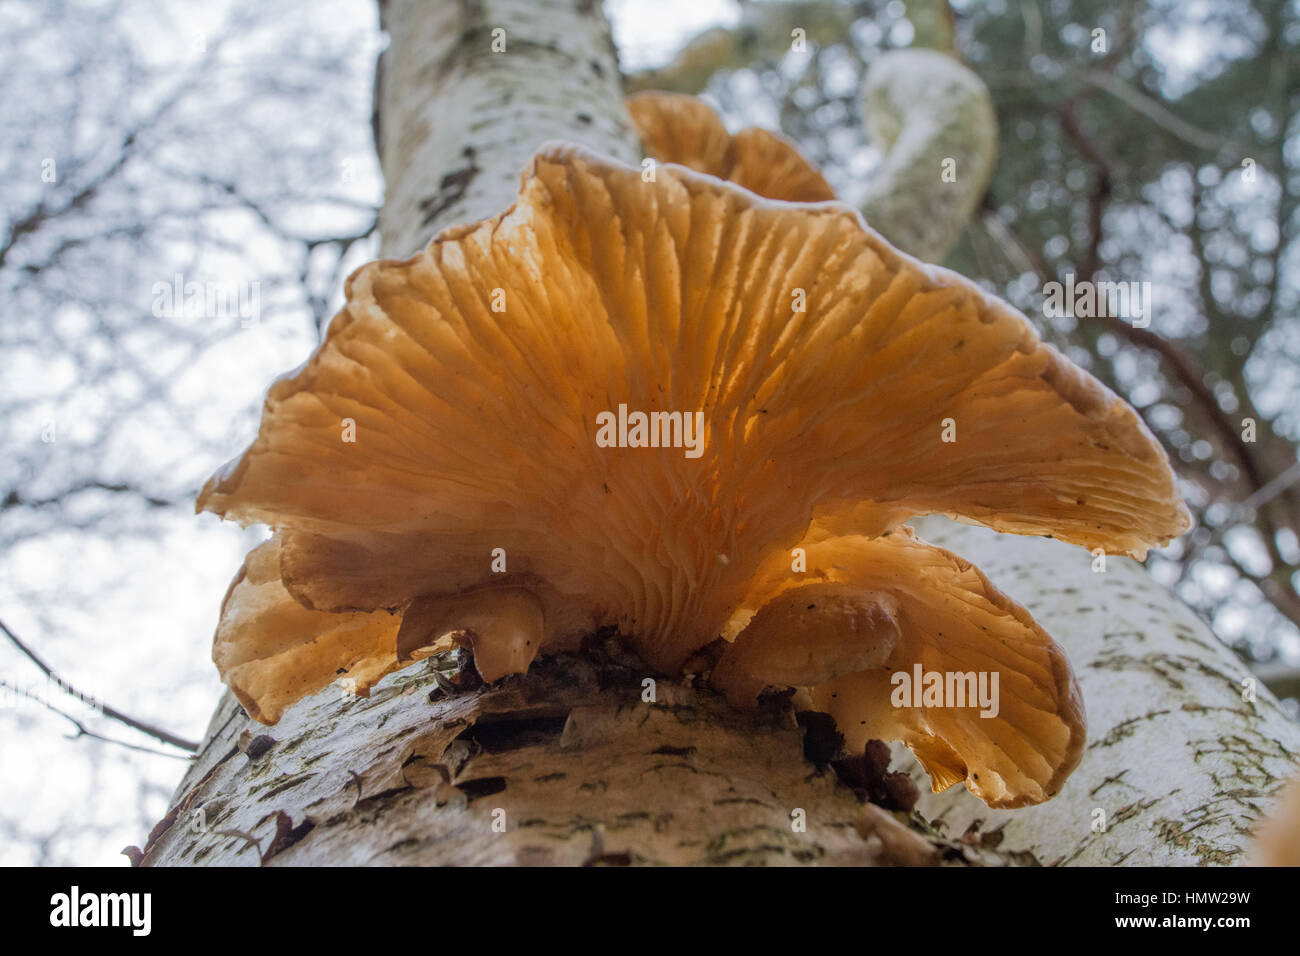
[
  {"x": 467, "y": 91},
  {"x": 570, "y": 763},
  {"x": 1178, "y": 762}
]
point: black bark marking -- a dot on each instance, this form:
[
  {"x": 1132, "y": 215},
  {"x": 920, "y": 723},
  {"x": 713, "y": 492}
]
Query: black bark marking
[
  {"x": 258, "y": 746},
  {"x": 287, "y": 785},
  {"x": 674, "y": 751},
  {"x": 451, "y": 188},
  {"x": 503, "y": 736},
  {"x": 822, "y": 742},
  {"x": 286, "y": 834},
  {"x": 1117, "y": 778},
  {"x": 481, "y": 787}
]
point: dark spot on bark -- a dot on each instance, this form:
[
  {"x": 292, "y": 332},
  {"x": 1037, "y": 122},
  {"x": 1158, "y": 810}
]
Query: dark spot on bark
[
  {"x": 451, "y": 188},
  {"x": 481, "y": 787},
  {"x": 504, "y": 736},
  {"x": 584, "y": 118},
  {"x": 597, "y": 68},
  {"x": 287, "y": 785},
  {"x": 674, "y": 751},
  {"x": 822, "y": 742},
  {"x": 286, "y": 834},
  {"x": 258, "y": 746},
  {"x": 732, "y": 801},
  {"x": 377, "y": 799}
]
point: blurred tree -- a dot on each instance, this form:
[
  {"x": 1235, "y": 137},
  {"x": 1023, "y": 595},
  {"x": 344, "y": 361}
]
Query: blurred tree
[{"x": 144, "y": 146}]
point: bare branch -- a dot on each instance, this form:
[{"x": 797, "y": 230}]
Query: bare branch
[
  {"x": 111, "y": 712},
  {"x": 15, "y": 500},
  {"x": 1139, "y": 101},
  {"x": 83, "y": 730}
]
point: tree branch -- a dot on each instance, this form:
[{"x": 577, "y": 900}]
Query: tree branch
[
  {"x": 111, "y": 712},
  {"x": 83, "y": 730},
  {"x": 15, "y": 500}
]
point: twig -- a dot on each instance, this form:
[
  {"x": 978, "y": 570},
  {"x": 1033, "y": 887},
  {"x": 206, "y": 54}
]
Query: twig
[
  {"x": 1153, "y": 111},
  {"x": 83, "y": 730},
  {"x": 14, "y": 500},
  {"x": 111, "y": 712}
]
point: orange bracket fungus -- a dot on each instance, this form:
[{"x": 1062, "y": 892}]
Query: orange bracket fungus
[
  {"x": 841, "y": 387},
  {"x": 681, "y": 129}
]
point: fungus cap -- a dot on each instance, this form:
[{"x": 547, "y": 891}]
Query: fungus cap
[
  {"x": 510, "y": 384},
  {"x": 675, "y": 128},
  {"x": 932, "y": 654},
  {"x": 271, "y": 651},
  {"x": 1277, "y": 836}
]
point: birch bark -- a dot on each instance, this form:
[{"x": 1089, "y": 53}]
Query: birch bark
[{"x": 466, "y": 92}]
